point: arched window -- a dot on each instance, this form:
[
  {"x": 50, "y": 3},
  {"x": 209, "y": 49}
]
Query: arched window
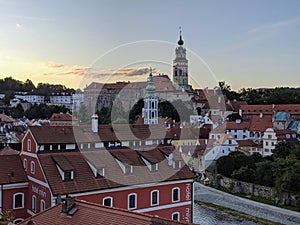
[
  {"x": 43, "y": 205},
  {"x": 33, "y": 203},
  {"x": 18, "y": 201},
  {"x": 175, "y": 194},
  {"x": 25, "y": 164},
  {"x": 176, "y": 216},
  {"x": 29, "y": 145},
  {"x": 132, "y": 201},
  {"x": 107, "y": 201},
  {"x": 32, "y": 167},
  {"x": 154, "y": 197},
  {"x": 18, "y": 220}
]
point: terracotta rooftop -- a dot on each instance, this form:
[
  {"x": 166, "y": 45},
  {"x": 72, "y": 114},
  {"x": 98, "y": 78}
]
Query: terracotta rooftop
[
  {"x": 90, "y": 213},
  {"x": 292, "y": 109},
  {"x": 258, "y": 123},
  {"x": 116, "y": 132},
  {"x": 246, "y": 143},
  {"x": 161, "y": 82},
  {"x": 61, "y": 117},
  {"x": 6, "y": 119},
  {"x": 11, "y": 170},
  {"x": 84, "y": 179},
  {"x": 232, "y": 125},
  {"x": 8, "y": 151}
]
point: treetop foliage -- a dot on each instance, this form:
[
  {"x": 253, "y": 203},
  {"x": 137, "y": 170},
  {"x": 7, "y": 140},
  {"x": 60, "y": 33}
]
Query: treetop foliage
[{"x": 281, "y": 170}]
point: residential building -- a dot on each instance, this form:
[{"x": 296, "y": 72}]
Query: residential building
[
  {"x": 142, "y": 175},
  {"x": 13, "y": 184},
  {"x": 82, "y": 212}
]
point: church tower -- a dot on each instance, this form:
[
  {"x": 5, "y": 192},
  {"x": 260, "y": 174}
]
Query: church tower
[
  {"x": 180, "y": 65},
  {"x": 150, "y": 110}
]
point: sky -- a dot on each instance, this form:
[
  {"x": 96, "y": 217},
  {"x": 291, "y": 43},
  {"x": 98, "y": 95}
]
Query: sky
[{"x": 247, "y": 43}]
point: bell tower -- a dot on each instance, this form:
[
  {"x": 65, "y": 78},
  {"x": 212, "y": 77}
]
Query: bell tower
[
  {"x": 150, "y": 110},
  {"x": 180, "y": 65}
]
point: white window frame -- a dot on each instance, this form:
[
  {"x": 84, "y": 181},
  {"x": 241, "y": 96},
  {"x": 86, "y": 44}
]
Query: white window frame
[
  {"x": 173, "y": 189},
  {"x": 29, "y": 145},
  {"x": 151, "y": 198},
  {"x": 43, "y": 203},
  {"x": 32, "y": 167},
  {"x": 25, "y": 164},
  {"x": 33, "y": 203},
  {"x": 135, "y": 201},
  {"x": 14, "y": 200},
  {"x": 176, "y": 213},
  {"x": 111, "y": 201}
]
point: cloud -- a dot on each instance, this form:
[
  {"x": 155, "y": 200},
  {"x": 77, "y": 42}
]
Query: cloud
[
  {"x": 264, "y": 32},
  {"x": 275, "y": 26},
  {"x": 55, "y": 65},
  {"x": 18, "y": 26},
  {"x": 65, "y": 69},
  {"x": 131, "y": 72}
]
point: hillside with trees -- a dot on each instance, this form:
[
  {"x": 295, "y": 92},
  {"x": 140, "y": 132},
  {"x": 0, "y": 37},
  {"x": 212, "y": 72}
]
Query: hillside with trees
[
  {"x": 278, "y": 95},
  {"x": 281, "y": 170}
]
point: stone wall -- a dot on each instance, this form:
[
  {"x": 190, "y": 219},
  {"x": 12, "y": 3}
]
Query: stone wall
[{"x": 236, "y": 186}]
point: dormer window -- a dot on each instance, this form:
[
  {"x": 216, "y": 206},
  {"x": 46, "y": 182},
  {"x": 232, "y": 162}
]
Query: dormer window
[
  {"x": 127, "y": 169},
  {"x": 68, "y": 175},
  {"x": 64, "y": 167},
  {"x": 152, "y": 167},
  {"x": 177, "y": 164},
  {"x": 98, "y": 171}
]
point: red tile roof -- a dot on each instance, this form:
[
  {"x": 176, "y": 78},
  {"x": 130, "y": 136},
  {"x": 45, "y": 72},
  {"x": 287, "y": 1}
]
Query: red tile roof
[
  {"x": 61, "y": 117},
  {"x": 247, "y": 143},
  {"x": 11, "y": 169},
  {"x": 232, "y": 125},
  {"x": 258, "y": 123},
  {"x": 161, "y": 82},
  {"x": 116, "y": 132},
  {"x": 84, "y": 179},
  {"x": 6, "y": 119},
  {"x": 90, "y": 213},
  {"x": 8, "y": 151},
  {"x": 292, "y": 109}
]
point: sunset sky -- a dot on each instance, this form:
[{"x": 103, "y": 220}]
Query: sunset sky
[{"x": 252, "y": 43}]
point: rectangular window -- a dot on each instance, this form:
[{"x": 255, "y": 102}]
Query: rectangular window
[
  {"x": 269, "y": 136},
  {"x": 18, "y": 201},
  {"x": 132, "y": 201}
]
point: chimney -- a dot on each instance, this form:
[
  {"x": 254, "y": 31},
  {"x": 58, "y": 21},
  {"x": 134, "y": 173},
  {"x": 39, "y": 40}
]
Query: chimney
[
  {"x": 67, "y": 205},
  {"x": 95, "y": 123}
]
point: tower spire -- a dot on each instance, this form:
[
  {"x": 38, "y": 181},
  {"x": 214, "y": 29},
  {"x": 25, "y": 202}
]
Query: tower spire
[{"x": 180, "y": 42}]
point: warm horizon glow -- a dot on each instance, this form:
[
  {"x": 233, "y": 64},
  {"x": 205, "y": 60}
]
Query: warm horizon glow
[{"x": 253, "y": 44}]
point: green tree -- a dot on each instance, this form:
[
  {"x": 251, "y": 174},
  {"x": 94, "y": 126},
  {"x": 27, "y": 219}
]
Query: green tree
[
  {"x": 282, "y": 149},
  {"x": 244, "y": 173}
]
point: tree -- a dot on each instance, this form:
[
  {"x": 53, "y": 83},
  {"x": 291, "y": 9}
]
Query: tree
[
  {"x": 264, "y": 175},
  {"x": 83, "y": 115},
  {"x": 282, "y": 149},
  {"x": 244, "y": 173},
  {"x": 136, "y": 110}
]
